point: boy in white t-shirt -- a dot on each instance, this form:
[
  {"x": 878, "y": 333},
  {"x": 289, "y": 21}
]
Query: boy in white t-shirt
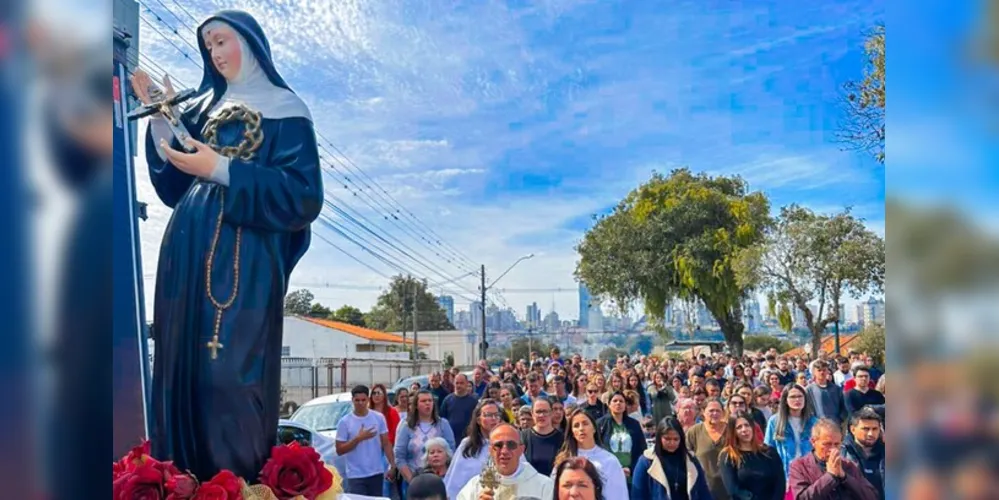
[{"x": 362, "y": 440}]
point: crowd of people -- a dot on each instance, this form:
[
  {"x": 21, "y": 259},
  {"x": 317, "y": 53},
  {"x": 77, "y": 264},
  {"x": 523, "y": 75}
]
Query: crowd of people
[{"x": 763, "y": 426}]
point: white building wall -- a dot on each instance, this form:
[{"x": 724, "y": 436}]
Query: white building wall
[
  {"x": 309, "y": 340},
  {"x": 455, "y": 341}
]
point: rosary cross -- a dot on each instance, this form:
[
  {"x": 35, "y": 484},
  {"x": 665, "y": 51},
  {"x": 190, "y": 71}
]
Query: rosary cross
[{"x": 215, "y": 345}]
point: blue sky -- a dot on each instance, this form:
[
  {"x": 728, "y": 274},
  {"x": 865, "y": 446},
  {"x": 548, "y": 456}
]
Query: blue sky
[{"x": 505, "y": 125}]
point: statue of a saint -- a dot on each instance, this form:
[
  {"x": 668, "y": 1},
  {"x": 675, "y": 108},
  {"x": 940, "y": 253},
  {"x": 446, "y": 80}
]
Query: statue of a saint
[{"x": 244, "y": 191}]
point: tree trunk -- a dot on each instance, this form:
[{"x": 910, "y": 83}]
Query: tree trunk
[
  {"x": 817, "y": 341},
  {"x": 730, "y": 322},
  {"x": 732, "y": 330},
  {"x": 735, "y": 342}
]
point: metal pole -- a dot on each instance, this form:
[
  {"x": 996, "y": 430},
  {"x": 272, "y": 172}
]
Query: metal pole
[
  {"x": 402, "y": 303},
  {"x": 483, "y": 345},
  {"x": 416, "y": 336},
  {"x": 530, "y": 342}
]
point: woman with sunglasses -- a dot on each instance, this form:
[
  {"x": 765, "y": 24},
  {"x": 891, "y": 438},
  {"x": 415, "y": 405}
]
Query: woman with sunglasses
[
  {"x": 582, "y": 440},
  {"x": 738, "y": 404},
  {"x": 379, "y": 403},
  {"x": 473, "y": 451},
  {"x": 592, "y": 404},
  {"x": 668, "y": 470}
]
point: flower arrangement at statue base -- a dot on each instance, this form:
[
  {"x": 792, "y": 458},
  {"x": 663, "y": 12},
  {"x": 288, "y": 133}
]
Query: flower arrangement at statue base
[{"x": 293, "y": 472}]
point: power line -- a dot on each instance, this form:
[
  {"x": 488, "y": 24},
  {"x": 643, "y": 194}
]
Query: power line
[
  {"x": 186, "y": 12},
  {"x": 455, "y": 255},
  {"x": 168, "y": 40},
  {"x": 169, "y": 27}
]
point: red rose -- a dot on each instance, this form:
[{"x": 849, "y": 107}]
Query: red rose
[
  {"x": 166, "y": 469},
  {"x": 210, "y": 491},
  {"x": 228, "y": 483},
  {"x": 144, "y": 482},
  {"x": 181, "y": 487},
  {"x": 118, "y": 469},
  {"x": 295, "y": 470},
  {"x": 135, "y": 457}
]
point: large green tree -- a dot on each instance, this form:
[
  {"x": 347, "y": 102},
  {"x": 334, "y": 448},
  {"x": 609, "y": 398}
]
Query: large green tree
[
  {"x": 394, "y": 309},
  {"x": 298, "y": 302},
  {"x": 812, "y": 259},
  {"x": 675, "y": 237},
  {"x": 521, "y": 348},
  {"x": 863, "y": 127},
  {"x": 320, "y": 311},
  {"x": 350, "y": 314}
]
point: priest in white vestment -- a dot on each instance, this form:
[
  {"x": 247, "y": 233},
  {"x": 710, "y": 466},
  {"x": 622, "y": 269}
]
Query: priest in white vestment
[{"x": 517, "y": 479}]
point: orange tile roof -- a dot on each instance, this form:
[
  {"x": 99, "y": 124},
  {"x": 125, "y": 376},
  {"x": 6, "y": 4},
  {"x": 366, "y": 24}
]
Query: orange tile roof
[
  {"x": 829, "y": 345},
  {"x": 357, "y": 331}
]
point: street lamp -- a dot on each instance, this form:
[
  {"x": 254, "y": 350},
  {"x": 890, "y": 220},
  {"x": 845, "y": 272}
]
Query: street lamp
[{"x": 483, "y": 345}]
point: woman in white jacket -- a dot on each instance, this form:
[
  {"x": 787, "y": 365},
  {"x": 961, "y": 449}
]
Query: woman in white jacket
[
  {"x": 473, "y": 451},
  {"x": 582, "y": 440}
]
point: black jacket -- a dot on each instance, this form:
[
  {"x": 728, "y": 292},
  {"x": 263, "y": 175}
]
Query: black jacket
[
  {"x": 605, "y": 426},
  {"x": 872, "y": 467}
]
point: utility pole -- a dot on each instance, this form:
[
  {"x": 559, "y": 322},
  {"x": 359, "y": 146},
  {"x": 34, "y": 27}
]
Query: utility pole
[
  {"x": 402, "y": 303},
  {"x": 530, "y": 340},
  {"x": 416, "y": 335},
  {"x": 483, "y": 345}
]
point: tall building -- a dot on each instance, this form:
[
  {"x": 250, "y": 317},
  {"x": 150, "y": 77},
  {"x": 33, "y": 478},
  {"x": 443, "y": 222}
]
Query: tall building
[
  {"x": 751, "y": 314},
  {"x": 447, "y": 304},
  {"x": 463, "y": 320},
  {"x": 584, "y": 306},
  {"x": 533, "y": 317},
  {"x": 872, "y": 312},
  {"x": 594, "y": 319},
  {"x": 475, "y": 309},
  {"x": 552, "y": 322}
]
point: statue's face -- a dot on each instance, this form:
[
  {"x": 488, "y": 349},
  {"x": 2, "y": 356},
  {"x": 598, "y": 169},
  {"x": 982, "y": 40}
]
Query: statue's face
[{"x": 223, "y": 45}]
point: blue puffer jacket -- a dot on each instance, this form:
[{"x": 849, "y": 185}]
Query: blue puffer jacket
[
  {"x": 648, "y": 481},
  {"x": 786, "y": 448}
]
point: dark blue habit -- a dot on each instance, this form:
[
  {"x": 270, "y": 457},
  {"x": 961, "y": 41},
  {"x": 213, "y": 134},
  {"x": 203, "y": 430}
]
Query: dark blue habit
[{"x": 212, "y": 414}]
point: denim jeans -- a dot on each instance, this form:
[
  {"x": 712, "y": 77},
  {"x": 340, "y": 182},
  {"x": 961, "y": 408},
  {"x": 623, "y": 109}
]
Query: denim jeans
[{"x": 370, "y": 486}]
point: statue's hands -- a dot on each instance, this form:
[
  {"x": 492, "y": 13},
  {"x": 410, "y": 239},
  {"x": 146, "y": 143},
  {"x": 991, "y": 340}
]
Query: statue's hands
[
  {"x": 201, "y": 162},
  {"x": 142, "y": 85}
]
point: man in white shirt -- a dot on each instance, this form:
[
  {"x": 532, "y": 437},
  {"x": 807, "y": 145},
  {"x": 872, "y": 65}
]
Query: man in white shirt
[
  {"x": 363, "y": 454},
  {"x": 518, "y": 480},
  {"x": 843, "y": 374}
]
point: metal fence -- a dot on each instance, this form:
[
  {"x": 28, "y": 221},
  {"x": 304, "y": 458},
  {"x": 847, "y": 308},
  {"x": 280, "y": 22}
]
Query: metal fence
[{"x": 303, "y": 379}]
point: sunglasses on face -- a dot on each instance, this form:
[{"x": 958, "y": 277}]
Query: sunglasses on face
[{"x": 510, "y": 445}]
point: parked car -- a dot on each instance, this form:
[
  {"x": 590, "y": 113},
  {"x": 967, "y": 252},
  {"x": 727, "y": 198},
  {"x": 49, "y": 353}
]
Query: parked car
[
  {"x": 405, "y": 382},
  {"x": 321, "y": 416},
  {"x": 289, "y": 431}
]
